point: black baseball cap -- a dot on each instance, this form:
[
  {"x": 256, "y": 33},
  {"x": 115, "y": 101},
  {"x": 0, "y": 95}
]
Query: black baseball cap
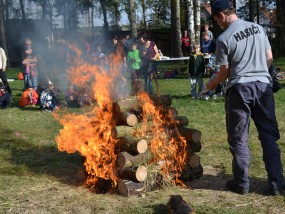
[{"x": 219, "y": 6}]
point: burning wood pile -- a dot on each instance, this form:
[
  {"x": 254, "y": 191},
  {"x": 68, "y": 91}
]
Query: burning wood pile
[
  {"x": 134, "y": 164},
  {"x": 132, "y": 144}
]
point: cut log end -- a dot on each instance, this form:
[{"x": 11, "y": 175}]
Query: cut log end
[
  {"x": 129, "y": 188},
  {"x": 141, "y": 173},
  {"x": 132, "y": 120},
  {"x": 142, "y": 146}
]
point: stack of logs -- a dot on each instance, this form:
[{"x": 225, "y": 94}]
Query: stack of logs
[{"x": 133, "y": 153}]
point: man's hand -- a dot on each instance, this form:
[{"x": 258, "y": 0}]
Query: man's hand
[{"x": 211, "y": 86}]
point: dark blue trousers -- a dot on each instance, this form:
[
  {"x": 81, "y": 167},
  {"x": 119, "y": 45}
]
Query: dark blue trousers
[{"x": 253, "y": 100}]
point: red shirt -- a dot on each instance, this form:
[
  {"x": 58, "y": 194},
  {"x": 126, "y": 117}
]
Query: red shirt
[{"x": 185, "y": 41}]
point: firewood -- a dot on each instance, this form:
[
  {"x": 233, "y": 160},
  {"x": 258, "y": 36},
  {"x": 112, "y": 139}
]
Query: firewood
[
  {"x": 194, "y": 146},
  {"x": 125, "y": 159},
  {"x": 177, "y": 205},
  {"x": 181, "y": 121},
  {"x": 121, "y": 131},
  {"x": 129, "y": 188},
  {"x": 172, "y": 112},
  {"x": 136, "y": 174},
  {"x": 127, "y": 118},
  {"x": 189, "y": 174},
  {"x": 190, "y": 134},
  {"x": 132, "y": 145},
  {"x": 162, "y": 100},
  {"x": 193, "y": 160},
  {"x": 130, "y": 104}
]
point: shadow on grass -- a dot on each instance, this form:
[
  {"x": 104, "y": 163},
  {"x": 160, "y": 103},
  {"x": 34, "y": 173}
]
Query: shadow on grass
[
  {"x": 159, "y": 208},
  {"x": 218, "y": 183},
  {"x": 38, "y": 159},
  {"x": 27, "y": 159}
]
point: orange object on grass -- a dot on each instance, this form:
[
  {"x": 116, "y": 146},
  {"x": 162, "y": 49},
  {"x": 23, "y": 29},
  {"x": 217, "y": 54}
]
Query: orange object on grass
[
  {"x": 29, "y": 97},
  {"x": 20, "y": 76}
]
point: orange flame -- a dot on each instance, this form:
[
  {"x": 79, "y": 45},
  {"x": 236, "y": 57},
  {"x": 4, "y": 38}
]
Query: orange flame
[
  {"x": 164, "y": 147},
  {"x": 90, "y": 133}
]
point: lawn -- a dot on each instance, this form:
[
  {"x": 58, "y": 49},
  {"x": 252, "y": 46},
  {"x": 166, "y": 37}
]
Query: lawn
[{"x": 36, "y": 178}]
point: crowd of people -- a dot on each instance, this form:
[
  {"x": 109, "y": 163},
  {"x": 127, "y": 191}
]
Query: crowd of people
[{"x": 137, "y": 56}]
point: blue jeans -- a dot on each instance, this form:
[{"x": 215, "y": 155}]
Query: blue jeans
[{"x": 193, "y": 85}]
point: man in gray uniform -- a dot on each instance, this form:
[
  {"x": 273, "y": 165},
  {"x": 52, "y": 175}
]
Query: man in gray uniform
[{"x": 244, "y": 55}]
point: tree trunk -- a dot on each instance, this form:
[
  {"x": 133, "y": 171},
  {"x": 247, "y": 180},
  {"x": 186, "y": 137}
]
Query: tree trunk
[
  {"x": 251, "y": 11},
  {"x": 3, "y": 41},
  {"x": 22, "y": 9},
  {"x": 191, "y": 31},
  {"x": 176, "y": 28},
  {"x": 280, "y": 29},
  {"x": 104, "y": 12},
  {"x": 132, "y": 16},
  {"x": 44, "y": 7},
  {"x": 197, "y": 19}
]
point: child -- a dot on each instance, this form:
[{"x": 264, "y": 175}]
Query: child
[
  {"x": 133, "y": 60},
  {"x": 196, "y": 70},
  {"x": 48, "y": 99},
  {"x": 5, "y": 97},
  {"x": 71, "y": 97},
  {"x": 29, "y": 97}
]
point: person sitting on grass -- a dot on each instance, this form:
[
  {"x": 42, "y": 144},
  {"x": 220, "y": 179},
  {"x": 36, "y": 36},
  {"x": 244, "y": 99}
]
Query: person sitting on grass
[
  {"x": 5, "y": 97},
  {"x": 48, "y": 99},
  {"x": 71, "y": 97},
  {"x": 29, "y": 97}
]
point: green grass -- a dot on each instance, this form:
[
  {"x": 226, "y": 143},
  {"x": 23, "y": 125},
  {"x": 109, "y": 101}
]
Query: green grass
[{"x": 36, "y": 178}]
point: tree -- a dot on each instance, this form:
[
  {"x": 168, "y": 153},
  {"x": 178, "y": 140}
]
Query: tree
[
  {"x": 176, "y": 27},
  {"x": 3, "y": 41},
  {"x": 197, "y": 19},
  {"x": 191, "y": 31},
  {"x": 279, "y": 46},
  {"x": 132, "y": 18},
  {"x": 22, "y": 9}
]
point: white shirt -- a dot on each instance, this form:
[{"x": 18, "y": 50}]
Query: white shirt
[{"x": 3, "y": 59}]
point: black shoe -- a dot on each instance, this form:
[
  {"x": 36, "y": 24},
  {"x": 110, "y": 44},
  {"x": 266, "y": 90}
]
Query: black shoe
[
  {"x": 276, "y": 192},
  {"x": 234, "y": 187}
]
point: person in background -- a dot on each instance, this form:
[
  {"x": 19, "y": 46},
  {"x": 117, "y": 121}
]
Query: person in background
[
  {"x": 5, "y": 97},
  {"x": 72, "y": 97},
  {"x": 29, "y": 66},
  {"x": 99, "y": 55},
  {"x": 117, "y": 49},
  {"x": 196, "y": 70},
  {"x": 127, "y": 41},
  {"x": 48, "y": 99},
  {"x": 29, "y": 97},
  {"x": 207, "y": 44},
  {"x": 185, "y": 43},
  {"x": 244, "y": 55},
  {"x": 208, "y": 32},
  {"x": 133, "y": 61},
  {"x": 3, "y": 76},
  {"x": 149, "y": 55}
]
